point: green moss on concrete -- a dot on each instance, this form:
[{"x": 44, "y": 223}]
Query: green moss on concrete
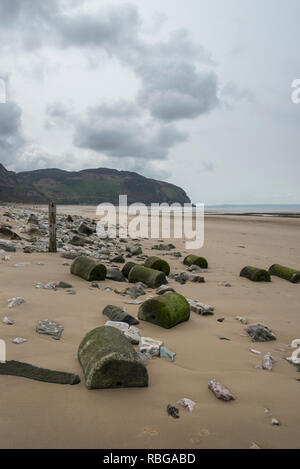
[
  {"x": 192, "y": 259},
  {"x": 255, "y": 274},
  {"x": 109, "y": 360},
  {"x": 127, "y": 268},
  {"x": 286, "y": 273},
  {"x": 25, "y": 370},
  {"x": 88, "y": 269},
  {"x": 157, "y": 263},
  {"x": 152, "y": 278},
  {"x": 166, "y": 311}
]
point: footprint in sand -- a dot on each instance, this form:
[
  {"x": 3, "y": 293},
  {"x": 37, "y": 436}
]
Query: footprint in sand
[{"x": 197, "y": 439}]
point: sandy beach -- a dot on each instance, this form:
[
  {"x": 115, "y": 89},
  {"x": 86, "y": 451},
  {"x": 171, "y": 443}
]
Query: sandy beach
[{"x": 42, "y": 415}]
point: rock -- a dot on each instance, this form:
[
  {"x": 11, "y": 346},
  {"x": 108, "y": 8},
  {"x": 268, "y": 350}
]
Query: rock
[
  {"x": 192, "y": 259},
  {"x": 158, "y": 264},
  {"x": 8, "y": 321},
  {"x": 5, "y": 231},
  {"x": 19, "y": 340},
  {"x": 118, "y": 260},
  {"x": 152, "y": 278},
  {"x": 145, "y": 357},
  {"x": 33, "y": 219},
  {"x": 164, "y": 352},
  {"x": 256, "y": 352},
  {"x": 69, "y": 219},
  {"x": 254, "y": 446},
  {"x": 127, "y": 268},
  {"x": 242, "y": 320},
  {"x": 186, "y": 276},
  {"x": 187, "y": 403},
  {"x": 85, "y": 229},
  {"x": 50, "y": 286},
  {"x": 94, "y": 285},
  {"x": 135, "y": 249},
  {"x": 260, "y": 333},
  {"x": 122, "y": 326},
  {"x": 286, "y": 273},
  {"x": 220, "y": 391},
  {"x": 25, "y": 370},
  {"x": 7, "y": 246},
  {"x": 15, "y": 301},
  {"x": 136, "y": 291},
  {"x": 151, "y": 346},
  {"x": 79, "y": 241},
  {"x": 255, "y": 274},
  {"x": 109, "y": 360},
  {"x": 225, "y": 284},
  {"x": 173, "y": 411},
  {"x": 221, "y": 320},
  {"x": 275, "y": 422},
  {"x": 268, "y": 362},
  {"x": 70, "y": 255},
  {"x": 50, "y": 327},
  {"x": 28, "y": 250},
  {"x": 201, "y": 308},
  {"x": 88, "y": 269},
  {"x": 63, "y": 285},
  {"x": 133, "y": 335},
  {"x": 114, "y": 313},
  {"x": 164, "y": 289},
  {"x": 115, "y": 275},
  {"x": 166, "y": 310},
  {"x": 164, "y": 247}
]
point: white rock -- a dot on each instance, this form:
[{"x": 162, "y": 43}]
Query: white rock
[
  {"x": 151, "y": 346},
  {"x": 267, "y": 362},
  {"x": 256, "y": 352},
  {"x": 15, "y": 301},
  {"x": 122, "y": 326},
  {"x": 187, "y": 403},
  {"x": 8, "y": 321},
  {"x": 19, "y": 340},
  {"x": 275, "y": 422}
]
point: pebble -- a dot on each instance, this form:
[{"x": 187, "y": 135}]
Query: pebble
[
  {"x": 8, "y": 321},
  {"x": 19, "y": 340},
  {"x": 15, "y": 301},
  {"x": 186, "y": 403}
]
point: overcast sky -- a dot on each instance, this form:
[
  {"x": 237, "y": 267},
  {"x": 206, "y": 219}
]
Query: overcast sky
[{"x": 195, "y": 92}]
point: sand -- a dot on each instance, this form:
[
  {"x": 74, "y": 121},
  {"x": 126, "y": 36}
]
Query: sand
[{"x": 42, "y": 415}]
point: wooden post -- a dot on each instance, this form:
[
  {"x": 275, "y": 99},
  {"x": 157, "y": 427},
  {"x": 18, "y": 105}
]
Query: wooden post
[{"x": 52, "y": 227}]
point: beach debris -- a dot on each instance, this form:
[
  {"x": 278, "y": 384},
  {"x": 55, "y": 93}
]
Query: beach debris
[
  {"x": 137, "y": 290},
  {"x": 88, "y": 269},
  {"x": 122, "y": 326},
  {"x": 12, "y": 302},
  {"x": 286, "y": 273},
  {"x": 294, "y": 359},
  {"x": 256, "y": 352},
  {"x": 187, "y": 403},
  {"x": 220, "y": 391},
  {"x": 255, "y": 274},
  {"x": 221, "y": 320},
  {"x": 275, "y": 422},
  {"x": 166, "y": 310},
  {"x": 63, "y": 285},
  {"x": 164, "y": 352},
  {"x": 173, "y": 412},
  {"x": 242, "y": 320},
  {"x": 114, "y": 313},
  {"x": 150, "y": 277},
  {"x": 109, "y": 360},
  {"x": 49, "y": 327},
  {"x": 150, "y": 346},
  {"x": 163, "y": 247},
  {"x": 25, "y": 370},
  {"x": 133, "y": 335},
  {"x": 164, "y": 289},
  {"x": 260, "y": 333},
  {"x": 201, "y": 308},
  {"x": 19, "y": 340},
  {"x": 268, "y": 362},
  {"x": 192, "y": 259},
  {"x": 157, "y": 263},
  {"x": 254, "y": 446},
  {"x": 224, "y": 338},
  {"x": 225, "y": 284},
  {"x": 50, "y": 286},
  {"x": 115, "y": 274},
  {"x": 8, "y": 321}
]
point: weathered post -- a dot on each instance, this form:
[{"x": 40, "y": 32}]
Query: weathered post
[{"x": 52, "y": 227}]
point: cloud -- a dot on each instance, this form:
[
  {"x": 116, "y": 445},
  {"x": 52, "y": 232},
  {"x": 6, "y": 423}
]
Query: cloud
[
  {"x": 11, "y": 139},
  {"x": 232, "y": 92},
  {"x": 114, "y": 132},
  {"x": 207, "y": 166}
]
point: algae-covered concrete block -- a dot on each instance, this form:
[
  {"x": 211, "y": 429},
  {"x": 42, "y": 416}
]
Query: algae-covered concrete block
[
  {"x": 88, "y": 269},
  {"x": 286, "y": 273},
  {"x": 25, "y": 370},
  {"x": 152, "y": 278},
  {"x": 127, "y": 268},
  {"x": 109, "y": 360},
  {"x": 255, "y": 274},
  {"x": 166, "y": 310},
  {"x": 114, "y": 313},
  {"x": 157, "y": 263},
  {"x": 192, "y": 259}
]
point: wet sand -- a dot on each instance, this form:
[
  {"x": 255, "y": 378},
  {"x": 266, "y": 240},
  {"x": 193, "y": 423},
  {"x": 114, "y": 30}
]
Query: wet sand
[{"x": 42, "y": 415}]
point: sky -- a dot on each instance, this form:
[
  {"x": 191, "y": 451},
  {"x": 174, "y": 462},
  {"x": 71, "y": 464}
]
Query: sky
[{"x": 194, "y": 92}]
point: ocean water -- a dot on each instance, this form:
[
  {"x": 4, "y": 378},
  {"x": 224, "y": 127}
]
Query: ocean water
[{"x": 260, "y": 209}]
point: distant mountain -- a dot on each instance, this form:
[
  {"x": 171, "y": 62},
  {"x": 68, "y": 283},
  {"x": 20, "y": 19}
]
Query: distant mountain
[{"x": 90, "y": 186}]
